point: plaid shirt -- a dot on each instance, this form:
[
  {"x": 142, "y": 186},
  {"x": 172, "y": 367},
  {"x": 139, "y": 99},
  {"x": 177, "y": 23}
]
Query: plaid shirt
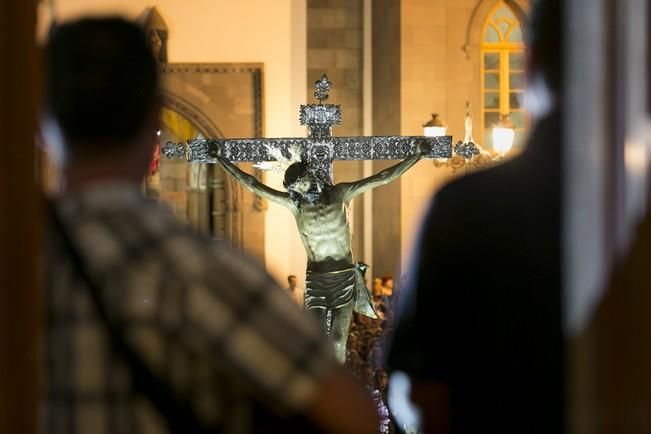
[{"x": 207, "y": 321}]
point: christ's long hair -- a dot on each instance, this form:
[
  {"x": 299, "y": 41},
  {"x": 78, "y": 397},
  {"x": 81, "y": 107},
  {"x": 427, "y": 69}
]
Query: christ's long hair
[{"x": 297, "y": 171}]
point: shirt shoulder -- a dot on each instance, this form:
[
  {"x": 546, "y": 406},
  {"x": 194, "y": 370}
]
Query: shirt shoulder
[{"x": 202, "y": 297}]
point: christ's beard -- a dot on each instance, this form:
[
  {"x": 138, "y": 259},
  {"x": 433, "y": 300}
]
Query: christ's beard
[{"x": 311, "y": 197}]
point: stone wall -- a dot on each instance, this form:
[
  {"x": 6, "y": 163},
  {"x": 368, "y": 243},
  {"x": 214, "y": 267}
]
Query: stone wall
[
  {"x": 386, "y": 43},
  {"x": 335, "y": 47}
]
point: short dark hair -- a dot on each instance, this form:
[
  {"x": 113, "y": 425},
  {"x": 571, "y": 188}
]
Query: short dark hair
[
  {"x": 294, "y": 173},
  {"x": 101, "y": 79},
  {"x": 545, "y": 40},
  {"x": 290, "y": 277}
]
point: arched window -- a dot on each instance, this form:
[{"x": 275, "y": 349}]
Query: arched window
[{"x": 502, "y": 72}]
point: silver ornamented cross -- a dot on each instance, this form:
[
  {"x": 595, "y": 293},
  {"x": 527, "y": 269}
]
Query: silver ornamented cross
[{"x": 318, "y": 150}]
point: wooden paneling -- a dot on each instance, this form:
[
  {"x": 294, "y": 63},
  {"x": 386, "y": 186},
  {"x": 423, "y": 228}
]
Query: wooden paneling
[{"x": 19, "y": 219}]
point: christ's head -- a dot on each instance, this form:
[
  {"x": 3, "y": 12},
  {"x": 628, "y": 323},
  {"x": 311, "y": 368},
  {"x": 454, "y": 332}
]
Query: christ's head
[{"x": 297, "y": 179}]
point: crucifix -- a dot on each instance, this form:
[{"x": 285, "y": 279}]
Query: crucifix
[{"x": 334, "y": 282}]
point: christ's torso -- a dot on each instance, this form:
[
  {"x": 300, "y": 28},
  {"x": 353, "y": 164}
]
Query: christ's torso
[{"x": 325, "y": 230}]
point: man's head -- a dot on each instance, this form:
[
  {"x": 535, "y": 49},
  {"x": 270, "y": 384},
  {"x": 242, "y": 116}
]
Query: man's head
[
  {"x": 545, "y": 43},
  {"x": 101, "y": 91},
  {"x": 297, "y": 179},
  {"x": 377, "y": 287},
  {"x": 387, "y": 285},
  {"x": 291, "y": 280},
  {"x": 381, "y": 379}
]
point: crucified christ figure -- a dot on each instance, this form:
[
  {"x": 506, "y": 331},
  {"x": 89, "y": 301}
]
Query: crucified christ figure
[{"x": 334, "y": 283}]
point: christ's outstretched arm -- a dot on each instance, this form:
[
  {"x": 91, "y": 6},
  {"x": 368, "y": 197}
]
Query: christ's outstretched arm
[
  {"x": 253, "y": 185},
  {"x": 352, "y": 189}
]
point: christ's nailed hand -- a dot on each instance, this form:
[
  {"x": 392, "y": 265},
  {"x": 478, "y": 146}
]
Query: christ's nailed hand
[{"x": 423, "y": 147}]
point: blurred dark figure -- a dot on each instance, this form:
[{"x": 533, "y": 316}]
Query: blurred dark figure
[
  {"x": 151, "y": 328},
  {"x": 387, "y": 286},
  {"x": 366, "y": 371},
  {"x": 479, "y": 331},
  {"x": 375, "y": 357},
  {"x": 378, "y": 298},
  {"x": 381, "y": 381}
]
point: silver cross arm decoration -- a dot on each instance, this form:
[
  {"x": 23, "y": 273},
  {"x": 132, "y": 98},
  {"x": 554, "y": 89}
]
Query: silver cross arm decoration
[
  {"x": 319, "y": 149},
  {"x": 335, "y": 148}
]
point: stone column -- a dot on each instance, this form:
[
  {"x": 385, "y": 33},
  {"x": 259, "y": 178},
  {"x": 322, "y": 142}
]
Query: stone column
[
  {"x": 335, "y": 47},
  {"x": 386, "y": 121}
]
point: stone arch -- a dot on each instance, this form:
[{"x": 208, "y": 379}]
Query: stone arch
[
  {"x": 222, "y": 204},
  {"x": 472, "y": 46},
  {"x": 175, "y": 102}
]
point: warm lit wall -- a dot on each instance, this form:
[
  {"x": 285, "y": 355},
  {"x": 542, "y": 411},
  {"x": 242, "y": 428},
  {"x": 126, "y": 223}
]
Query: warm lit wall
[
  {"x": 437, "y": 75},
  {"x": 385, "y": 89},
  {"x": 419, "y": 68},
  {"x": 436, "y": 78},
  {"x": 272, "y": 33}
]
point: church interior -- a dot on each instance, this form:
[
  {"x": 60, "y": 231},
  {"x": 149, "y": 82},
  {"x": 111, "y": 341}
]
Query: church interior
[
  {"x": 243, "y": 69},
  {"x": 383, "y": 88}
]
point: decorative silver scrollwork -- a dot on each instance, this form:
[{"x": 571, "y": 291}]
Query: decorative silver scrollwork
[
  {"x": 466, "y": 150},
  {"x": 174, "y": 151},
  {"x": 322, "y": 86},
  {"x": 320, "y": 148}
]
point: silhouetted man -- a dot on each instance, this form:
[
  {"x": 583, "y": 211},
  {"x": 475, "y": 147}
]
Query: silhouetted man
[{"x": 479, "y": 329}]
